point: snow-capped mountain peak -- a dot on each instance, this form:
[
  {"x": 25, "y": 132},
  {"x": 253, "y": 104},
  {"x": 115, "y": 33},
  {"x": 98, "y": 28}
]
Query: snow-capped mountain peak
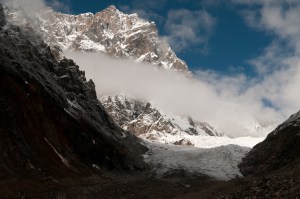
[{"x": 111, "y": 32}]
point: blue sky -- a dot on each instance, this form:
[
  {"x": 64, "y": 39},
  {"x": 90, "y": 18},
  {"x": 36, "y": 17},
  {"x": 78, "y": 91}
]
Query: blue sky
[{"x": 225, "y": 44}]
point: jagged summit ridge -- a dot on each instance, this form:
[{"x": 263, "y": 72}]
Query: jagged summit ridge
[{"x": 111, "y": 32}]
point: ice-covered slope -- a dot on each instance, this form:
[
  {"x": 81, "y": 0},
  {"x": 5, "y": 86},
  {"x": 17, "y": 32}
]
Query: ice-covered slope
[{"x": 219, "y": 163}]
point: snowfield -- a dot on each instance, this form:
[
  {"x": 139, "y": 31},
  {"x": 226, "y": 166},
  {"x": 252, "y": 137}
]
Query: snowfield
[{"x": 218, "y": 158}]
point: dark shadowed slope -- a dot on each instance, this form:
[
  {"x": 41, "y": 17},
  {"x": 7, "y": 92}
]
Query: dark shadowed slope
[
  {"x": 279, "y": 151},
  {"x": 273, "y": 166},
  {"x": 51, "y": 122}
]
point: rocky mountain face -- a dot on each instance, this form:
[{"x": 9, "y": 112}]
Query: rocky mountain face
[
  {"x": 111, "y": 32},
  {"x": 125, "y": 36},
  {"x": 151, "y": 123},
  {"x": 51, "y": 122}
]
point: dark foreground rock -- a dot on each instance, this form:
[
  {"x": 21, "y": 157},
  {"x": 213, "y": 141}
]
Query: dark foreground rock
[
  {"x": 270, "y": 187},
  {"x": 51, "y": 122},
  {"x": 279, "y": 151},
  {"x": 273, "y": 166}
]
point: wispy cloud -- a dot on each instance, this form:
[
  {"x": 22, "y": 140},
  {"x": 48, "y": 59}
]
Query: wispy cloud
[
  {"x": 61, "y": 6},
  {"x": 146, "y": 9},
  {"x": 279, "y": 65},
  {"x": 146, "y": 14},
  {"x": 186, "y": 29},
  {"x": 183, "y": 29},
  {"x": 31, "y": 7}
]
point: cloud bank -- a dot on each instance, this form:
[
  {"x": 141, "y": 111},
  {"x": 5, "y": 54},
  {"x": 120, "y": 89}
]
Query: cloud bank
[{"x": 221, "y": 101}]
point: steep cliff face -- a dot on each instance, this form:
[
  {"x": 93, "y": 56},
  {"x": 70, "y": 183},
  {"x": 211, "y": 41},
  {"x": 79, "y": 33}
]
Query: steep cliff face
[
  {"x": 111, "y": 32},
  {"x": 51, "y": 122},
  {"x": 279, "y": 151}
]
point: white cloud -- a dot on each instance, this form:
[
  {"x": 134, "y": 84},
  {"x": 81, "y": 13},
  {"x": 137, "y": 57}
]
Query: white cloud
[
  {"x": 185, "y": 28},
  {"x": 59, "y": 5},
  {"x": 231, "y": 103},
  {"x": 146, "y": 9},
  {"x": 144, "y": 13},
  {"x": 271, "y": 59}
]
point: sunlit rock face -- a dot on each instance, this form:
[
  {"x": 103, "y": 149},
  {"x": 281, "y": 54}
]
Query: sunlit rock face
[{"x": 111, "y": 32}]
